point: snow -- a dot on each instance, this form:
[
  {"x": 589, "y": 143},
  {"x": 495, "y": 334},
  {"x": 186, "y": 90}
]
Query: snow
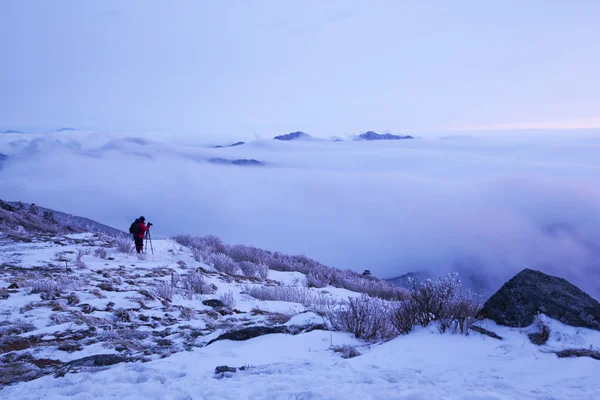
[{"x": 421, "y": 365}]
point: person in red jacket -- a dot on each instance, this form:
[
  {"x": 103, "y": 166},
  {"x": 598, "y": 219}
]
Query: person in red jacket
[{"x": 138, "y": 237}]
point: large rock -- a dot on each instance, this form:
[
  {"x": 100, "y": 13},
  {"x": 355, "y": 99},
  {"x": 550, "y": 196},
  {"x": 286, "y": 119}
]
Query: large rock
[{"x": 530, "y": 292}]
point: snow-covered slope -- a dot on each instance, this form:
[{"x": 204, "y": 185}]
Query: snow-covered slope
[{"x": 120, "y": 305}]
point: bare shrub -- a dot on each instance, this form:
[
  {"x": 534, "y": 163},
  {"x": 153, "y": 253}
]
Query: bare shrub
[
  {"x": 223, "y": 263},
  {"x": 366, "y": 317},
  {"x": 163, "y": 290},
  {"x": 194, "y": 284},
  {"x": 228, "y": 300},
  {"x": 346, "y": 351},
  {"x": 79, "y": 254},
  {"x": 101, "y": 252},
  {"x": 403, "y": 316},
  {"x": 124, "y": 245}
]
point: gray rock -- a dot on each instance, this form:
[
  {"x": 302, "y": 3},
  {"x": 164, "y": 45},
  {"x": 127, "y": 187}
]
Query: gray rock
[
  {"x": 224, "y": 368},
  {"x": 90, "y": 363},
  {"x": 214, "y": 303},
  {"x": 530, "y": 292}
]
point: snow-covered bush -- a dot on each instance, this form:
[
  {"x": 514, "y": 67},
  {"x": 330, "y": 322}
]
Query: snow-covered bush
[
  {"x": 164, "y": 290},
  {"x": 312, "y": 300},
  {"x": 228, "y": 300},
  {"x": 459, "y": 314},
  {"x": 123, "y": 245},
  {"x": 194, "y": 284},
  {"x": 247, "y": 253},
  {"x": 202, "y": 247},
  {"x": 251, "y": 269},
  {"x": 439, "y": 300},
  {"x": 223, "y": 263},
  {"x": 100, "y": 252},
  {"x": 366, "y": 317},
  {"x": 318, "y": 275}
]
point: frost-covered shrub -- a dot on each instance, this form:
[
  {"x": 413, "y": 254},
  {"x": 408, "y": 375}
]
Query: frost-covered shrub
[
  {"x": 228, "y": 300},
  {"x": 249, "y": 268},
  {"x": 124, "y": 245},
  {"x": 431, "y": 296},
  {"x": 101, "y": 252},
  {"x": 164, "y": 290},
  {"x": 247, "y": 253},
  {"x": 318, "y": 279},
  {"x": 346, "y": 351},
  {"x": 223, "y": 263},
  {"x": 67, "y": 282},
  {"x": 194, "y": 284},
  {"x": 459, "y": 314},
  {"x": 201, "y": 247},
  {"x": 318, "y": 275},
  {"x": 366, "y": 317},
  {"x": 439, "y": 300},
  {"x": 312, "y": 300}
]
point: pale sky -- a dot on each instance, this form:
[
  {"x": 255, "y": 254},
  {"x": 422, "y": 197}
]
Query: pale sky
[{"x": 260, "y": 68}]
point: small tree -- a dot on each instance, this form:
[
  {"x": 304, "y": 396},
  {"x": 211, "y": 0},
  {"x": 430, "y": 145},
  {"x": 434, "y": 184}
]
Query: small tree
[{"x": 366, "y": 272}]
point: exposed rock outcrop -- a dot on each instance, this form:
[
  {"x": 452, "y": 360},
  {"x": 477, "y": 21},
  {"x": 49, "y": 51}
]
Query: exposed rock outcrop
[{"x": 530, "y": 293}]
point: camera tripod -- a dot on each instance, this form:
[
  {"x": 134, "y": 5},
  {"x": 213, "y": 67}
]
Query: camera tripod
[{"x": 148, "y": 239}]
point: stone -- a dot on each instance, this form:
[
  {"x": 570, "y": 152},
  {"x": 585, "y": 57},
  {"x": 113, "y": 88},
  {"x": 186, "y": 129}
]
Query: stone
[{"x": 530, "y": 292}]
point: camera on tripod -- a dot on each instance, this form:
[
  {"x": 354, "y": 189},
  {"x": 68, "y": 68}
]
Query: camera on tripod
[{"x": 150, "y": 224}]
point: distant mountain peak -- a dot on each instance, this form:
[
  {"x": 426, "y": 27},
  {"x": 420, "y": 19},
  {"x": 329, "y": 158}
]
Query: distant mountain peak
[
  {"x": 230, "y": 145},
  {"x": 293, "y": 136},
  {"x": 240, "y": 162},
  {"x": 11, "y": 131},
  {"x": 371, "y": 135},
  {"x": 65, "y": 129}
]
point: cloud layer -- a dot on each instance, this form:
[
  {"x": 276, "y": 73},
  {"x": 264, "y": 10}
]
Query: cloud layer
[{"x": 491, "y": 204}]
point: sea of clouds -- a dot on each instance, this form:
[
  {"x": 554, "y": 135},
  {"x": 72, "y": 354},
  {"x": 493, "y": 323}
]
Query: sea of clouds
[{"x": 487, "y": 204}]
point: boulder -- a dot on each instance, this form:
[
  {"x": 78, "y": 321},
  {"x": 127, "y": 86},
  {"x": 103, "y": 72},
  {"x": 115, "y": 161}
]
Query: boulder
[
  {"x": 250, "y": 333},
  {"x": 214, "y": 303},
  {"x": 530, "y": 293}
]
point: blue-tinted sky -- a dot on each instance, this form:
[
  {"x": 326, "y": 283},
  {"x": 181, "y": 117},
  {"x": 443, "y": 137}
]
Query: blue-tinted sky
[{"x": 326, "y": 67}]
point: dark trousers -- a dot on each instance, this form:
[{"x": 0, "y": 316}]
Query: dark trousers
[{"x": 139, "y": 244}]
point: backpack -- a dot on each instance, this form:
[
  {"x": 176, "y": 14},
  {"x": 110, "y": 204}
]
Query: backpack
[{"x": 133, "y": 229}]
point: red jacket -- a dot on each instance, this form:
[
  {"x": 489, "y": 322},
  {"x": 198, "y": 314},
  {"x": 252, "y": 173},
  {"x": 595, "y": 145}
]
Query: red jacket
[{"x": 142, "y": 229}]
